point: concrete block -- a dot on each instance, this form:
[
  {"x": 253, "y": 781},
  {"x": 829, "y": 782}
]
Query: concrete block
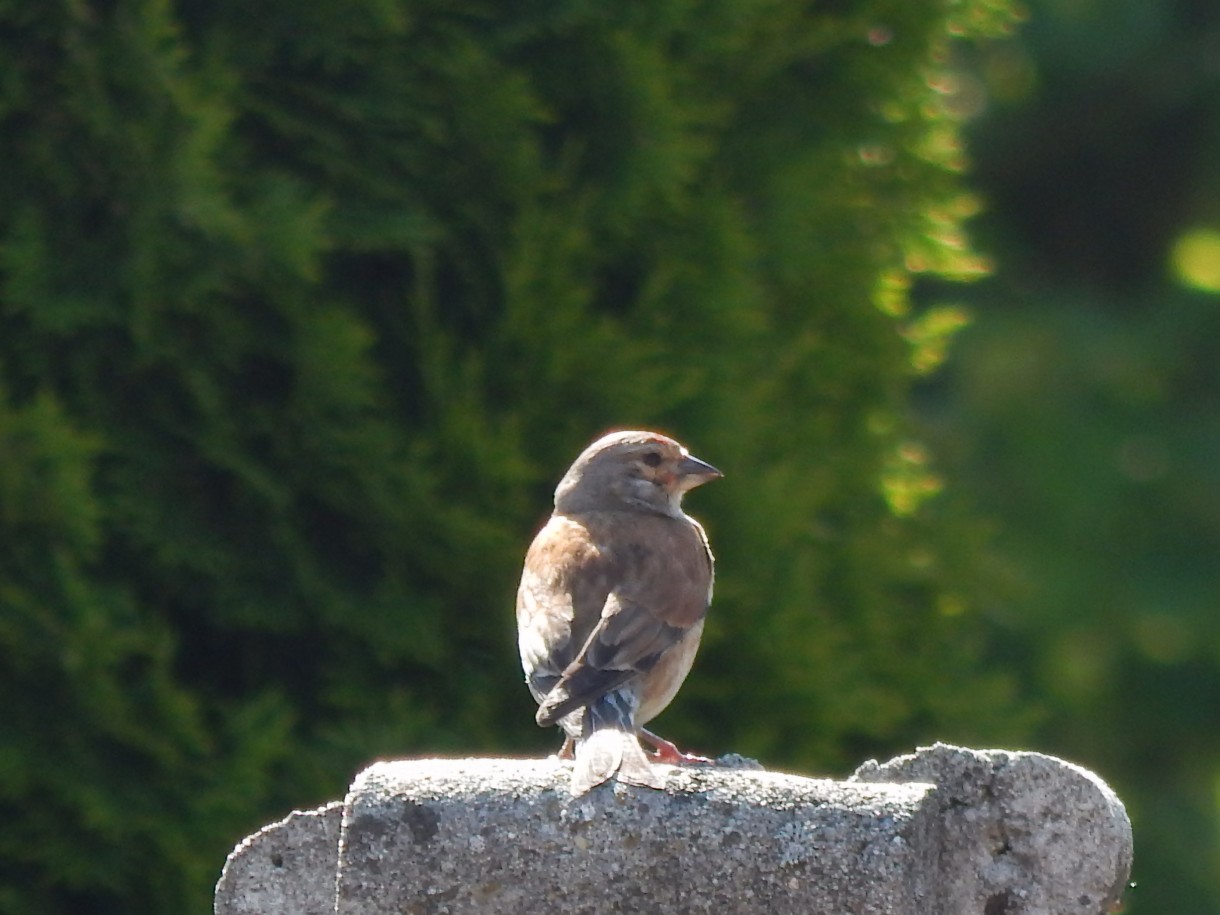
[
  {"x": 944, "y": 831},
  {"x": 505, "y": 836},
  {"x": 287, "y": 867},
  {"x": 1023, "y": 833}
]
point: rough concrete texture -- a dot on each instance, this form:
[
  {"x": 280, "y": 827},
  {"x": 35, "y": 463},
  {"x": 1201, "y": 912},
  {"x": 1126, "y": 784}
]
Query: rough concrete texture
[
  {"x": 289, "y": 866},
  {"x": 505, "y": 836},
  {"x": 1023, "y": 833},
  {"x": 1001, "y": 834}
]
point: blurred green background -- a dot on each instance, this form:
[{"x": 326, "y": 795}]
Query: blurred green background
[
  {"x": 305, "y": 307},
  {"x": 1081, "y": 411}
]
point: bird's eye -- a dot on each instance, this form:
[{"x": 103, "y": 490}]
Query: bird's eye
[{"x": 652, "y": 459}]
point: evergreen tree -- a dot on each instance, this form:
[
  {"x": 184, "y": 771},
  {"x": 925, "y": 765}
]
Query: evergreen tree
[{"x": 305, "y": 306}]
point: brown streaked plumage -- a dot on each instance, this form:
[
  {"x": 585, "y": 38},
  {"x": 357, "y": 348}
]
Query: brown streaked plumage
[{"x": 612, "y": 600}]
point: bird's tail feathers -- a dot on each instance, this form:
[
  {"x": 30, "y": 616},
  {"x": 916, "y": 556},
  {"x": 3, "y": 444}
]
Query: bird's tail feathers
[
  {"x": 609, "y": 747},
  {"x": 609, "y": 753}
]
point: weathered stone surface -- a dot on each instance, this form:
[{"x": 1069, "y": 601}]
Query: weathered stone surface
[
  {"x": 287, "y": 867},
  {"x": 1024, "y": 833},
  {"x": 505, "y": 836},
  {"x": 945, "y": 830}
]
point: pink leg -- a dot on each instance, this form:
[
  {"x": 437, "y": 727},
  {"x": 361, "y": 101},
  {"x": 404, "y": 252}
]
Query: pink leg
[
  {"x": 667, "y": 752},
  {"x": 567, "y": 751}
]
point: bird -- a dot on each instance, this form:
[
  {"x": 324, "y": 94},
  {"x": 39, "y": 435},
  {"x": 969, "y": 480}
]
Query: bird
[{"x": 611, "y": 605}]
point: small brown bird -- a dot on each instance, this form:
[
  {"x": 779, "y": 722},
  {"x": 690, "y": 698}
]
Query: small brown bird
[{"x": 612, "y": 602}]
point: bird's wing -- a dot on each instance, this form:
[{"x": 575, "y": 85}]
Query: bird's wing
[
  {"x": 659, "y": 572},
  {"x": 563, "y": 589},
  {"x": 629, "y": 640}
]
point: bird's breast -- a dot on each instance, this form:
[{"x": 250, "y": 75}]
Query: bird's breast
[{"x": 662, "y": 683}]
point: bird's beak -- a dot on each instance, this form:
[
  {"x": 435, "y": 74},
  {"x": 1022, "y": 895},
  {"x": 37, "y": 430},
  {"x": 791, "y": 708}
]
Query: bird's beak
[{"x": 693, "y": 472}]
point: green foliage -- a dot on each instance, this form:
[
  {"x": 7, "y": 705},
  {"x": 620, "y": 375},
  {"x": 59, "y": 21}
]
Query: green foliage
[{"x": 304, "y": 308}]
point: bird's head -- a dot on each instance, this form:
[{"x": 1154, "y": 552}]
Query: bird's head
[{"x": 635, "y": 470}]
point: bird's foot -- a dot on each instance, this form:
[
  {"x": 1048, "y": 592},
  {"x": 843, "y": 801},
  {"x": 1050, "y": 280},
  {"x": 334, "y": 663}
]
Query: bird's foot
[
  {"x": 667, "y": 752},
  {"x": 567, "y": 751}
]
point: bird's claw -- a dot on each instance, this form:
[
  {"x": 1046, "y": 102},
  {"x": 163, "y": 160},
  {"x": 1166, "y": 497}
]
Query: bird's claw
[
  {"x": 669, "y": 753},
  {"x": 678, "y": 758}
]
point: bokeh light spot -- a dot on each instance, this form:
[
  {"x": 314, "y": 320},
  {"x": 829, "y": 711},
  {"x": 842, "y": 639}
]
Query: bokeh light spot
[
  {"x": 1162, "y": 637},
  {"x": 1196, "y": 259}
]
